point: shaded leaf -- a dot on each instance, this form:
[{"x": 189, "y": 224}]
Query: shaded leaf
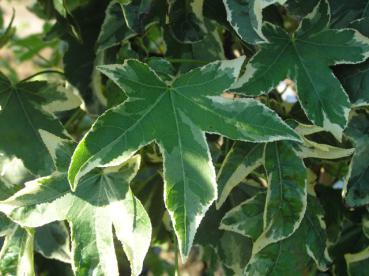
[
  {"x": 305, "y": 57},
  {"x": 246, "y": 17},
  {"x": 356, "y": 190},
  {"x": 186, "y": 20}
]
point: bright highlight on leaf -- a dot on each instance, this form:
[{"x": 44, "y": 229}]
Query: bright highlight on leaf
[{"x": 305, "y": 56}]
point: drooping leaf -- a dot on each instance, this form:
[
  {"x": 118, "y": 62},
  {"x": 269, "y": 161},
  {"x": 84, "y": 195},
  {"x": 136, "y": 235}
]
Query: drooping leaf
[
  {"x": 246, "y": 17},
  {"x": 176, "y": 117},
  {"x": 286, "y": 195},
  {"x": 356, "y": 191},
  {"x": 114, "y": 28},
  {"x": 305, "y": 57},
  {"x": 103, "y": 200},
  {"x": 240, "y": 161},
  {"x": 16, "y": 255},
  {"x": 186, "y": 20},
  {"x": 53, "y": 242},
  {"x": 311, "y": 149},
  {"x": 25, "y": 114}
]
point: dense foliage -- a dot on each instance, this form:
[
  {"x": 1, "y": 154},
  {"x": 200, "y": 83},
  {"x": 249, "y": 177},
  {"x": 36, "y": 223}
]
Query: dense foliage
[{"x": 231, "y": 133}]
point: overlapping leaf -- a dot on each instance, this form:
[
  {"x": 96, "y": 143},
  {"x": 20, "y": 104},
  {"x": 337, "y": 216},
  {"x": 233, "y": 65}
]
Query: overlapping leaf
[
  {"x": 246, "y": 17},
  {"x": 244, "y": 158},
  {"x": 25, "y": 112},
  {"x": 305, "y": 57},
  {"x": 103, "y": 200},
  {"x": 176, "y": 116},
  {"x": 288, "y": 256},
  {"x": 186, "y": 20}
]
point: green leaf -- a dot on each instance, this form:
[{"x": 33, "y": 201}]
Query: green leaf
[
  {"x": 290, "y": 256},
  {"x": 241, "y": 160},
  {"x": 114, "y": 29},
  {"x": 357, "y": 264},
  {"x": 356, "y": 190},
  {"x": 286, "y": 195},
  {"x": 176, "y": 116},
  {"x": 192, "y": 55},
  {"x": 305, "y": 57},
  {"x": 24, "y": 118},
  {"x": 234, "y": 251},
  {"x": 16, "y": 255},
  {"x": 247, "y": 218},
  {"x": 246, "y": 17},
  {"x": 355, "y": 78},
  {"x": 102, "y": 200},
  {"x": 52, "y": 241},
  {"x": 311, "y": 149},
  {"x": 9, "y": 32},
  {"x": 186, "y": 20}
]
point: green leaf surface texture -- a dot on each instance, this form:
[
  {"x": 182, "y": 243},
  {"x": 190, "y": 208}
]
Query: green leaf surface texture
[{"x": 176, "y": 116}]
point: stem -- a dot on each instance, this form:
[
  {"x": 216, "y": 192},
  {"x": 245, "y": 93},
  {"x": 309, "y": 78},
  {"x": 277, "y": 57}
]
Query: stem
[
  {"x": 177, "y": 273},
  {"x": 41, "y": 73},
  {"x": 179, "y": 60}
]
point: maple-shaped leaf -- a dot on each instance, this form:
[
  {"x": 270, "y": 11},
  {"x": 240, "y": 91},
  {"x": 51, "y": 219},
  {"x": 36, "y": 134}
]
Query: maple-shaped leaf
[
  {"x": 103, "y": 200},
  {"x": 176, "y": 116},
  {"x": 246, "y": 17},
  {"x": 25, "y": 112},
  {"x": 305, "y": 56}
]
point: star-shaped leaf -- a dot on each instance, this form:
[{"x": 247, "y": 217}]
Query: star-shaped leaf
[
  {"x": 103, "y": 200},
  {"x": 305, "y": 57},
  {"x": 246, "y": 17},
  {"x": 25, "y": 111},
  {"x": 176, "y": 115}
]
